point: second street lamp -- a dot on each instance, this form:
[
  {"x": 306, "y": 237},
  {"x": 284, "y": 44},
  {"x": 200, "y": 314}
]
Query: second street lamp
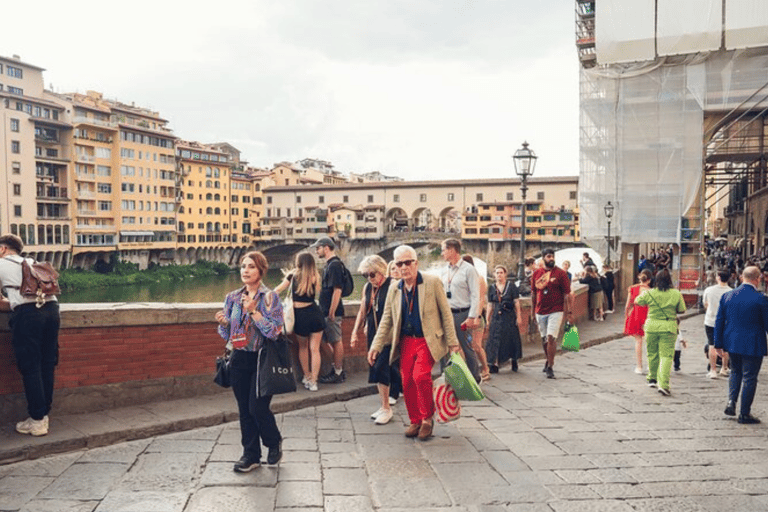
[
  {"x": 525, "y": 163},
  {"x": 608, "y": 215}
]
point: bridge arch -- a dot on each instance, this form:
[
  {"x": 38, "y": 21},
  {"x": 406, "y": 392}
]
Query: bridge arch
[
  {"x": 449, "y": 220},
  {"x": 423, "y": 219},
  {"x": 397, "y": 220}
]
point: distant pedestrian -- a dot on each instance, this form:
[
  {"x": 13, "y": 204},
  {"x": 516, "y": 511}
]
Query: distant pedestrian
[
  {"x": 635, "y": 316},
  {"x": 524, "y": 286},
  {"x": 551, "y": 301},
  {"x": 592, "y": 279},
  {"x": 34, "y": 338},
  {"x": 332, "y": 307},
  {"x": 418, "y": 324},
  {"x": 711, "y": 299},
  {"x": 251, "y": 314},
  {"x": 566, "y": 267},
  {"x": 374, "y": 269},
  {"x": 664, "y": 304},
  {"x": 462, "y": 289},
  {"x": 309, "y": 324},
  {"x": 609, "y": 286},
  {"x": 586, "y": 261},
  {"x": 479, "y": 330},
  {"x": 740, "y": 329},
  {"x": 680, "y": 344},
  {"x": 505, "y": 321}
]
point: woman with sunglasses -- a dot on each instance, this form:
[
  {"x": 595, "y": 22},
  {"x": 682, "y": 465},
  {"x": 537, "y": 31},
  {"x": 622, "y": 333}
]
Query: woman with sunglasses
[
  {"x": 374, "y": 269},
  {"x": 310, "y": 322}
]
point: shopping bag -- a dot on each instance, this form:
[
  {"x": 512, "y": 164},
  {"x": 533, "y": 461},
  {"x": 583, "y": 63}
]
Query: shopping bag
[
  {"x": 571, "y": 338},
  {"x": 275, "y": 369},
  {"x": 457, "y": 374},
  {"x": 447, "y": 406}
]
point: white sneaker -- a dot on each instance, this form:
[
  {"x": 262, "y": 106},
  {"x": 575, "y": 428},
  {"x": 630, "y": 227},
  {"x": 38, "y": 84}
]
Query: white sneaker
[
  {"x": 639, "y": 370},
  {"x": 33, "y": 427},
  {"x": 377, "y": 413},
  {"x": 712, "y": 374},
  {"x": 726, "y": 372},
  {"x": 312, "y": 386},
  {"x": 384, "y": 417},
  {"x": 305, "y": 382},
  {"x": 392, "y": 401}
]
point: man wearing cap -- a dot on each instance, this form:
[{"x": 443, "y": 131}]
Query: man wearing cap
[
  {"x": 551, "y": 300},
  {"x": 34, "y": 337},
  {"x": 333, "y": 309},
  {"x": 462, "y": 288}
]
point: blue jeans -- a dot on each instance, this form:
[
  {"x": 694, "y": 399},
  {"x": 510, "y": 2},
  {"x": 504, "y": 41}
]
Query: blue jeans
[
  {"x": 35, "y": 340},
  {"x": 744, "y": 370}
]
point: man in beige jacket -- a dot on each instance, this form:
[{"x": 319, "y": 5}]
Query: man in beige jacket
[{"x": 418, "y": 323}]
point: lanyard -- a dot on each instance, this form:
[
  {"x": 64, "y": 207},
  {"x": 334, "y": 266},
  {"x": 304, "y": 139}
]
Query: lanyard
[
  {"x": 451, "y": 275},
  {"x": 409, "y": 302}
]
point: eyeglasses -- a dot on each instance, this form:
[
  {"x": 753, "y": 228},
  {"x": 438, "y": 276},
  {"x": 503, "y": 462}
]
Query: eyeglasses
[
  {"x": 407, "y": 263},
  {"x": 369, "y": 275}
]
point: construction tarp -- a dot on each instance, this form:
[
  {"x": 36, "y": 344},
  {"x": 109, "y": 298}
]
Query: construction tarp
[{"x": 642, "y": 134}]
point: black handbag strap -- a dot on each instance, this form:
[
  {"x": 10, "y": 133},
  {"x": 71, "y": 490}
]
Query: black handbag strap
[{"x": 658, "y": 306}]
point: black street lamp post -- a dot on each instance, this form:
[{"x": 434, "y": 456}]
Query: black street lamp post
[
  {"x": 525, "y": 163},
  {"x": 608, "y": 215}
]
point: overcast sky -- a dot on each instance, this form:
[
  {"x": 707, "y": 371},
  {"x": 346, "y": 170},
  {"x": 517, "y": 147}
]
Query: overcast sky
[{"x": 424, "y": 89}]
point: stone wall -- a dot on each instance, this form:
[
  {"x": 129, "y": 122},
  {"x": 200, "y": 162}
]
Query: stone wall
[{"x": 115, "y": 355}]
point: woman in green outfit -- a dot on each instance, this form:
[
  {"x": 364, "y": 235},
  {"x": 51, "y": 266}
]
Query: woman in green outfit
[{"x": 664, "y": 304}]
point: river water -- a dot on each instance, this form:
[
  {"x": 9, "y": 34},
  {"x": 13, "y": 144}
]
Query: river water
[{"x": 199, "y": 289}]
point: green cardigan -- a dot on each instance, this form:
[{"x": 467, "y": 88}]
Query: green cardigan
[{"x": 663, "y": 308}]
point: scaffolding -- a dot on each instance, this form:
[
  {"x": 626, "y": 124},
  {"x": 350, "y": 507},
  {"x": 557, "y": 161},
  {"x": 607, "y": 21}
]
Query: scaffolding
[{"x": 660, "y": 138}]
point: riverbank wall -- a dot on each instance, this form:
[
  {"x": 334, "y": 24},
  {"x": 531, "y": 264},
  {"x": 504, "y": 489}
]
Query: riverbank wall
[{"x": 116, "y": 355}]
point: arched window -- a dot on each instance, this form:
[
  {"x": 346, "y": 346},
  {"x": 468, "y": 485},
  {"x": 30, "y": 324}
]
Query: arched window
[
  {"x": 216, "y": 184},
  {"x": 181, "y": 227},
  {"x": 66, "y": 234},
  {"x": 57, "y": 229},
  {"x": 208, "y": 172},
  {"x": 216, "y": 173},
  {"x": 208, "y": 196},
  {"x": 208, "y": 184},
  {"x": 217, "y": 197},
  {"x": 41, "y": 234},
  {"x": 14, "y": 229},
  {"x": 23, "y": 233},
  {"x": 217, "y": 211},
  {"x": 31, "y": 234},
  {"x": 49, "y": 234},
  {"x": 181, "y": 209},
  {"x": 218, "y": 226},
  {"x": 209, "y": 226},
  {"x": 209, "y": 211}
]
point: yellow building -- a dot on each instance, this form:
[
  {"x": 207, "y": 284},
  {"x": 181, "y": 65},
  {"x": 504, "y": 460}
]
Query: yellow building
[
  {"x": 34, "y": 151},
  {"x": 125, "y": 184},
  {"x": 204, "y": 215}
]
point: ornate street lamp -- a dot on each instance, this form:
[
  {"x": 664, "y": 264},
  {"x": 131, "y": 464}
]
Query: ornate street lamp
[
  {"x": 525, "y": 163},
  {"x": 608, "y": 214}
]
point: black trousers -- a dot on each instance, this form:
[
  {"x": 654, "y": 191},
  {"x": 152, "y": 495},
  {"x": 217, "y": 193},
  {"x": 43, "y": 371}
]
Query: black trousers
[
  {"x": 35, "y": 340},
  {"x": 257, "y": 422}
]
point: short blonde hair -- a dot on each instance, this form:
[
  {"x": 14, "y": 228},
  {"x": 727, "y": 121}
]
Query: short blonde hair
[{"x": 373, "y": 263}]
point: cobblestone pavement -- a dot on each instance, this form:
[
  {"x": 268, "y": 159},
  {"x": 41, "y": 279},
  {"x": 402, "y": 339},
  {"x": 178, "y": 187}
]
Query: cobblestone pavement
[{"x": 594, "y": 439}]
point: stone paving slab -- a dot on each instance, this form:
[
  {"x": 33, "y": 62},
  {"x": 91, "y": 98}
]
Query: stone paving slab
[{"x": 596, "y": 438}]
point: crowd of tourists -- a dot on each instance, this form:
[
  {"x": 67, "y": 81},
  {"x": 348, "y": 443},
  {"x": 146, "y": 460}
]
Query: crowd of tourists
[{"x": 412, "y": 320}]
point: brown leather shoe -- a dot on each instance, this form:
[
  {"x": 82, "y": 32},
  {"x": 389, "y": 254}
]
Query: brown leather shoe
[
  {"x": 425, "y": 432},
  {"x": 412, "y": 430}
]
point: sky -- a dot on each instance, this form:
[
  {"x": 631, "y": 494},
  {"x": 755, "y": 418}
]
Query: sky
[{"x": 424, "y": 90}]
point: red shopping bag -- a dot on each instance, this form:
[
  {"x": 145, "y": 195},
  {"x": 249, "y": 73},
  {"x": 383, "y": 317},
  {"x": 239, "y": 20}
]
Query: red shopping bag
[{"x": 447, "y": 407}]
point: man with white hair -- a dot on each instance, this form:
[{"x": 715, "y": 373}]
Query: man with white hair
[
  {"x": 418, "y": 324},
  {"x": 740, "y": 330}
]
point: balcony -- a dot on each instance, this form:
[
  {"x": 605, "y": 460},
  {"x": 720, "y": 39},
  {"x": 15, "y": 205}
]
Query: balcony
[
  {"x": 46, "y": 139},
  {"x": 82, "y": 157},
  {"x": 52, "y": 193},
  {"x": 94, "y": 122},
  {"x": 85, "y": 176},
  {"x": 86, "y": 213}
]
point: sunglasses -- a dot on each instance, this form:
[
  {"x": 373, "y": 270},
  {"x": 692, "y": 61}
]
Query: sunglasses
[
  {"x": 407, "y": 263},
  {"x": 369, "y": 275}
]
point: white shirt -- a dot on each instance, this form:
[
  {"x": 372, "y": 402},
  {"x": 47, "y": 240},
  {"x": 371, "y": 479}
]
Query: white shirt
[
  {"x": 463, "y": 283},
  {"x": 711, "y": 298}
]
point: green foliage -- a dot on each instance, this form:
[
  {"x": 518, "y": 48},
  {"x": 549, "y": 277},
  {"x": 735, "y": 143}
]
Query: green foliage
[{"x": 124, "y": 273}]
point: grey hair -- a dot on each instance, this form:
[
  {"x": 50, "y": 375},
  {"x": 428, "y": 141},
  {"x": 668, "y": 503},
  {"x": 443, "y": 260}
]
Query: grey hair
[
  {"x": 405, "y": 249},
  {"x": 373, "y": 263}
]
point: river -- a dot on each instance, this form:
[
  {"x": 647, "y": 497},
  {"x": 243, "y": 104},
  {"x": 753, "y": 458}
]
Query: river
[{"x": 196, "y": 290}]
